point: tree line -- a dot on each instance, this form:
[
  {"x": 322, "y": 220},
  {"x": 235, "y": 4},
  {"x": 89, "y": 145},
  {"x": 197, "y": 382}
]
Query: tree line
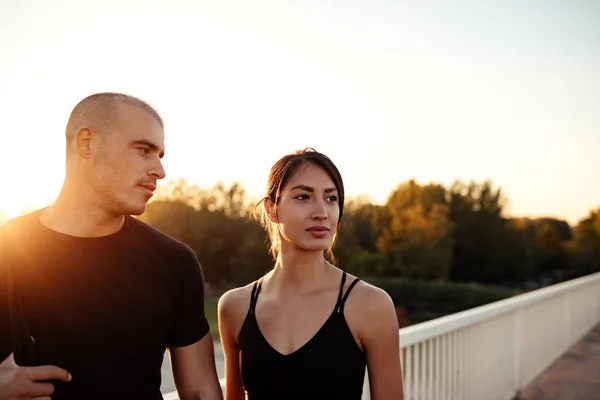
[{"x": 424, "y": 232}]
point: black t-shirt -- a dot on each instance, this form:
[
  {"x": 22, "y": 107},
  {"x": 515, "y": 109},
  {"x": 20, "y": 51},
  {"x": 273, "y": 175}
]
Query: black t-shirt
[{"x": 103, "y": 308}]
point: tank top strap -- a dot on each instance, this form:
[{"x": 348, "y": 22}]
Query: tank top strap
[
  {"x": 254, "y": 297},
  {"x": 343, "y": 300},
  {"x": 340, "y": 294}
]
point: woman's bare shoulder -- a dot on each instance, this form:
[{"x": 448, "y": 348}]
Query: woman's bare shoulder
[
  {"x": 236, "y": 300},
  {"x": 368, "y": 302},
  {"x": 372, "y": 292}
]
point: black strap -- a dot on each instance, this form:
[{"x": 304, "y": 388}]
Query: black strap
[
  {"x": 343, "y": 302},
  {"x": 339, "y": 299},
  {"x": 254, "y": 297}
]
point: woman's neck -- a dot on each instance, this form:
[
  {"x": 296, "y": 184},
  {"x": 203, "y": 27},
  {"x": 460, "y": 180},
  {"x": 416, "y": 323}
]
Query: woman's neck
[{"x": 297, "y": 271}]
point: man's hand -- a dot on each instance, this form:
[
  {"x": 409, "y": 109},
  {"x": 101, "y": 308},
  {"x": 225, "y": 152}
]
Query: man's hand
[{"x": 22, "y": 382}]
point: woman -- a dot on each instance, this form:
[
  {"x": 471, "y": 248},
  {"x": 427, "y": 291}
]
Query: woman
[{"x": 306, "y": 330}]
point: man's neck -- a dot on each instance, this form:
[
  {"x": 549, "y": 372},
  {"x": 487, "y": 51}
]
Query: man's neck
[{"x": 74, "y": 216}]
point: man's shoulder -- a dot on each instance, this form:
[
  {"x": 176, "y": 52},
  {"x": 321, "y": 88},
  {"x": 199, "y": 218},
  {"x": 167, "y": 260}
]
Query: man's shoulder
[
  {"x": 159, "y": 240},
  {"x": 19, "y": 223}
]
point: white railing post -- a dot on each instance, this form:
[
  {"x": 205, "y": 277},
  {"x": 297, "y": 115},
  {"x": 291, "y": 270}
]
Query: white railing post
[
  {"x": 517, "y": 351},
  {"x": 568, "y": 319}
]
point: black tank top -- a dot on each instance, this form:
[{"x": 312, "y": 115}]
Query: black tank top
[{"x": 329, "y": 366}]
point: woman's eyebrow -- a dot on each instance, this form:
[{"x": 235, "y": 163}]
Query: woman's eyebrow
[{"x": 309, "y": 189}]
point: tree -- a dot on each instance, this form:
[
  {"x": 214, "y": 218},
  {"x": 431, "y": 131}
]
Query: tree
[
  {"x": 585, "y": 250},
  {"x": 549, "y": 247},
  {"x": 486, "y": 249},
  {"x": 214, "y": 224},
  {"x": 417, "y": 234},
  {"x": 355, "y": 247}
]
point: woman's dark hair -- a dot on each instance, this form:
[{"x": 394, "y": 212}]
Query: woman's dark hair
[{"x": 281, "y": 172}]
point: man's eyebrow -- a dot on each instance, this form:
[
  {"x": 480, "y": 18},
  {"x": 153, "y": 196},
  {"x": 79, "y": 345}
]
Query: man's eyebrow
[
  {"x": 309, "y": 189},
  {"x": 150, "y": 145}
]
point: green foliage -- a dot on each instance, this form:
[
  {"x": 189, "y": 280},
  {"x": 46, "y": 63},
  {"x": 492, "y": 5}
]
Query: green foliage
[
  {"x": 441, "y": 298},
  {"x": 231, "y": 248},
  {"x": 485, "y": 249},
  {"x": 367, "y": 263},
  {"x": 211, "y": 308},
  {"x": 427, "y": 233},
  {"x": 584, "y": 250},
  {"x": 416, "y": 234}
]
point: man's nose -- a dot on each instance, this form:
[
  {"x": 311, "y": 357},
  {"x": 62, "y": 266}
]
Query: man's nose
[{"x": 158, "y": 171}]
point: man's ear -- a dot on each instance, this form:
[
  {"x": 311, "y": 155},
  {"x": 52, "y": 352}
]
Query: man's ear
[
  {"x": 84, "y": 145},
  {"x": 270, "y": 209}
]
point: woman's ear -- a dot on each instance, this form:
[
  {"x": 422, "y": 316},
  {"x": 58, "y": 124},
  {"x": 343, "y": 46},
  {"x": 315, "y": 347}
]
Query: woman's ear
[{"x": 270, "y": 209}]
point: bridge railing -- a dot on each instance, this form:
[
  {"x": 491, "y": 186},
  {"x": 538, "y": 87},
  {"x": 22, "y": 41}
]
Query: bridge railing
[{"x": 492, "y": 352}]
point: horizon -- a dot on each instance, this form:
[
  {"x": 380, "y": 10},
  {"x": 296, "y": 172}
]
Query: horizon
[{"x": 250, "y": 197}]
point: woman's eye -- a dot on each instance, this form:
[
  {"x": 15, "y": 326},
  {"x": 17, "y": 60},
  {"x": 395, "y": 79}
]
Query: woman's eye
[
  {"x": 302, "y": 197},
  {"x": 333, "y": 198}
]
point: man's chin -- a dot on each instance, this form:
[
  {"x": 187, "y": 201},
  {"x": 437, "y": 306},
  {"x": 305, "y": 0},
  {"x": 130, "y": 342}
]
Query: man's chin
[{"x": 136, "y": 210}]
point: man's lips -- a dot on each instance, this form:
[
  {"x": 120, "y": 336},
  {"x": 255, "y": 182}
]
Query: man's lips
[{"x": 148, "y": 186}]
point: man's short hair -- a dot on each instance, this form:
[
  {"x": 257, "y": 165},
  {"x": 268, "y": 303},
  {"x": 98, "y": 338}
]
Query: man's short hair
[{"x": 99, "y": 110}]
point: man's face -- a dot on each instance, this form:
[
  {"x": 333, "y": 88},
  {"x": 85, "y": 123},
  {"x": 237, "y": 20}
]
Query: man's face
[{"x": 125, "y": 170}]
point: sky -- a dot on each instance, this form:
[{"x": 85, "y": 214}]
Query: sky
[{"x": 390, "y": 90}]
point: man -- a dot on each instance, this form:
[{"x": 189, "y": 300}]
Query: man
[{"x": 90, "y": 297}]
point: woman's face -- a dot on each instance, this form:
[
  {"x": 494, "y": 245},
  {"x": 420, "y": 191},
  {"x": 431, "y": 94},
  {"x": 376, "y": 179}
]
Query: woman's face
[{"x": 308, "y": 209}]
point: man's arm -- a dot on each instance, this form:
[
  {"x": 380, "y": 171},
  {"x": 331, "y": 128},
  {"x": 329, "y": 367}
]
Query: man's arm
[
  {"x": 17, "y": 381},
  {"x": 194, "y": 371},
  {"x": 190, "y": 341},
  {"x": 5, "y": 327}
]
